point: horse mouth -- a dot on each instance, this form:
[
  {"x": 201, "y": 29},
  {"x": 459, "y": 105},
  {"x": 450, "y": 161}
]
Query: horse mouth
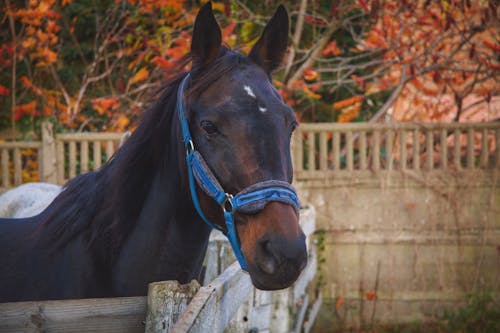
[{"x": 285, "y": 276}]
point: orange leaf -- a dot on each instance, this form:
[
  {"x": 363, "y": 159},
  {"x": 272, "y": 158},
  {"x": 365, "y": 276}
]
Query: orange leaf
[
  {"x": 347, "y": 102},
  {"x": 141, "y": 75},
  {"x": 101, "y": 105},
  {"x": 331, "y": 48},
  {"x": 349, "y": 113},
  {"x": 340, "y": 302},
  {"x": 310, "y": 75},
  {"x": 370, "y": 295},
  {"x": 23, "y": 109},
  {"x": 122, "y": 122},
  {"x": 410, "y": 205},
  {"x": 310, "y": 94},
  {"x": 492, "y": 45},
  {"x": 162, "y": 63},
  {"x": 4, "y": 91},
  {"x": 228, "y": 30},
  {"x": 50, "y": 56},
  {"x": 28, "y": 43}
]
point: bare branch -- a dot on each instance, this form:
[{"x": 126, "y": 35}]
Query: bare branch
[
  {"x": 317, "y": 48},
  {"x": 299, "y": 27}
]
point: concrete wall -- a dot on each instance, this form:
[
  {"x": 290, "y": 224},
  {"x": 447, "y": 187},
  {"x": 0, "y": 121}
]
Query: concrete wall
[{"x": 415, "y": 241}]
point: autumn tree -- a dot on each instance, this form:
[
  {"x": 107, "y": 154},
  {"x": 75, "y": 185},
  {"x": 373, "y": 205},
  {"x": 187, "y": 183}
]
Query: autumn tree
[
  {"x": 96, "y": 66},
  {"x": 402, "y": 58}
]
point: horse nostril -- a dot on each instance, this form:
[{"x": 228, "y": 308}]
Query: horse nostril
[
  {"x": 266, "y": 260},
  {"x": 268, "y": 265}
]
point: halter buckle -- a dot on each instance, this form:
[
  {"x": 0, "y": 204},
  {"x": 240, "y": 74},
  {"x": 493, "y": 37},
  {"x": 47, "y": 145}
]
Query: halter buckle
[
  {"x": 227, "y": 204},
  {"x": 189, "y": 147}
]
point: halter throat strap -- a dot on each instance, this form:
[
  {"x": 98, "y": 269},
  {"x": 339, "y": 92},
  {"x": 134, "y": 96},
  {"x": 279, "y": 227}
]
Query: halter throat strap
[{"x": 250, "y": 200}]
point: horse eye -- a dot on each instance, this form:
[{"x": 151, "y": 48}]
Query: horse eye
[{"x": 209, "y": 127}]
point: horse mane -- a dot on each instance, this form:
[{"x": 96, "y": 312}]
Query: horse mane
[{"x": 104, "y": 205}]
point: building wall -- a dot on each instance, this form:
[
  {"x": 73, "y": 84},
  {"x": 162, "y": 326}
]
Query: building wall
[{"x": 399, "y": 246}]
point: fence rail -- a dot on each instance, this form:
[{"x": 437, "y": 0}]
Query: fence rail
[{"x": 320, "y": 150}]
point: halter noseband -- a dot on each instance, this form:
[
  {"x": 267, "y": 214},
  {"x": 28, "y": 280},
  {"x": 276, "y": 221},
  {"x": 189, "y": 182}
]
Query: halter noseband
[{"x": 250, "y": 200}]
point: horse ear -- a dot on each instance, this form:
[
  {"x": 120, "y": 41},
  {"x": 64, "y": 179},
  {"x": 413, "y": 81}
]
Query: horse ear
[
  {"x": 270, "y": 49},
  {"x": 207, "y": 37}
]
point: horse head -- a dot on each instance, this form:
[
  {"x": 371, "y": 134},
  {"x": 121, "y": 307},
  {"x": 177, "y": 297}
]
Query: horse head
[{"x": 242, "y": 128}]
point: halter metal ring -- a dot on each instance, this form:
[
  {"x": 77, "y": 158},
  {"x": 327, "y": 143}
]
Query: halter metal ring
[{"x": 227, "y": 204}]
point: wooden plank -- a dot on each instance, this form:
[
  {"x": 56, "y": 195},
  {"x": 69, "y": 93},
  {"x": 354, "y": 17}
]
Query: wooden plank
[
  {"x": 416, "y": 149},
  {"x": 89, "y": 136},
  {"x": 5, "y": 168},
  {"x": 214, "y": 305},
  {"x": 444, "y": 148},
  {"x": 362, "y": 151},
  {"x": 39, "y": 153},
  {"x": 350, "y": 151},
  {"x": 307, "y": 275},
  {"x": 429, "y": 140},
  {"x": 497, "y": 150},
  {"x": 299, "y": 319},
  {"x": 323, "y": 151},
  {"x": 313, "y": 313},
  {"x": 48, "y": 160},
  {"x": 282, "y": 305},
  {"x": 84, "y": 156},
  {"x": 402, "y": 149},
  {"x": 484, "y": 148},
  {"x": 72, "y": 159},
  {"x": 457, "y": 149},
  {"x": 110, "y": 149},
  {"x": 124, "y": 314},
  {"x": 260, "y": 316},
  {"x": 60, "y": 161},
  {"x": 356, "y": 127},
  {"x": 298, "y": 151},
  {"x": 167, "y": 300},
  {"x": 211, "y": 260},
  {"x": 389, "y": 138},
  {"x": 21, "y": 144},
  {"x": 242, "y": 320},
  {"x": 97, "y": 155},
  {"x": 311, "y": 151},
  {"x": 17, "y": 167},
  {"x": 470, "y": 148},
  {"x": 336, "y": 150},
  {"x": 376, "y": 150}
]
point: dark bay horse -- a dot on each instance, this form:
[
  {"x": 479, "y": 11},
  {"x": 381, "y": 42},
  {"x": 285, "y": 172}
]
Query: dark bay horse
[{"x": 111, "y": 232}]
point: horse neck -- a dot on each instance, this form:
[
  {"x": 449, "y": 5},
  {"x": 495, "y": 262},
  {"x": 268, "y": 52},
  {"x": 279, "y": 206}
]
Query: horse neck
[{"x": 168, "y": 240}]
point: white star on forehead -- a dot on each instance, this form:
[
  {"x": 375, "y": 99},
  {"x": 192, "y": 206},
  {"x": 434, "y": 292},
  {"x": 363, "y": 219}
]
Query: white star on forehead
[
  {"x": 262, "y": 109},
  {"x": 249, "y": 91}
]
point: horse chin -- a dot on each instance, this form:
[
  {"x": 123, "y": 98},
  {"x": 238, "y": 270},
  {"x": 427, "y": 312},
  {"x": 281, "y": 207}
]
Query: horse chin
[{"x": 263, "y": 281}]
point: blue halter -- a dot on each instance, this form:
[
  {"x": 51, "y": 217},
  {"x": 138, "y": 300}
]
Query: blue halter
[{"x": 249, "y": 201}]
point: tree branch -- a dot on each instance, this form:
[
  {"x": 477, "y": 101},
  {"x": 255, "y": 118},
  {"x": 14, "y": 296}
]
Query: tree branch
[
  {"x": 299, "y": 27},
  {"x": 318, "y": 47}
]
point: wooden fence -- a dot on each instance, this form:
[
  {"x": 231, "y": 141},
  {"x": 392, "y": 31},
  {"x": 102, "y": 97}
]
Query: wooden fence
[
  {"x": 322, "y": 150},
  {"x": 227, "y": 303},
  {"x": 330, "y": 149}
]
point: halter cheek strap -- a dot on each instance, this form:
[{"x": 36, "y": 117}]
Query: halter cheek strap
[{"x": 250, "y": 200}]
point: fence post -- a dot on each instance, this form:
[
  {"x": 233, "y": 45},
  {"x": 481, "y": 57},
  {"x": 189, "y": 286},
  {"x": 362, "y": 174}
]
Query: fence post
[
  {"x": 49, "y": 174},
  {"x": 167, "y": 300}
]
